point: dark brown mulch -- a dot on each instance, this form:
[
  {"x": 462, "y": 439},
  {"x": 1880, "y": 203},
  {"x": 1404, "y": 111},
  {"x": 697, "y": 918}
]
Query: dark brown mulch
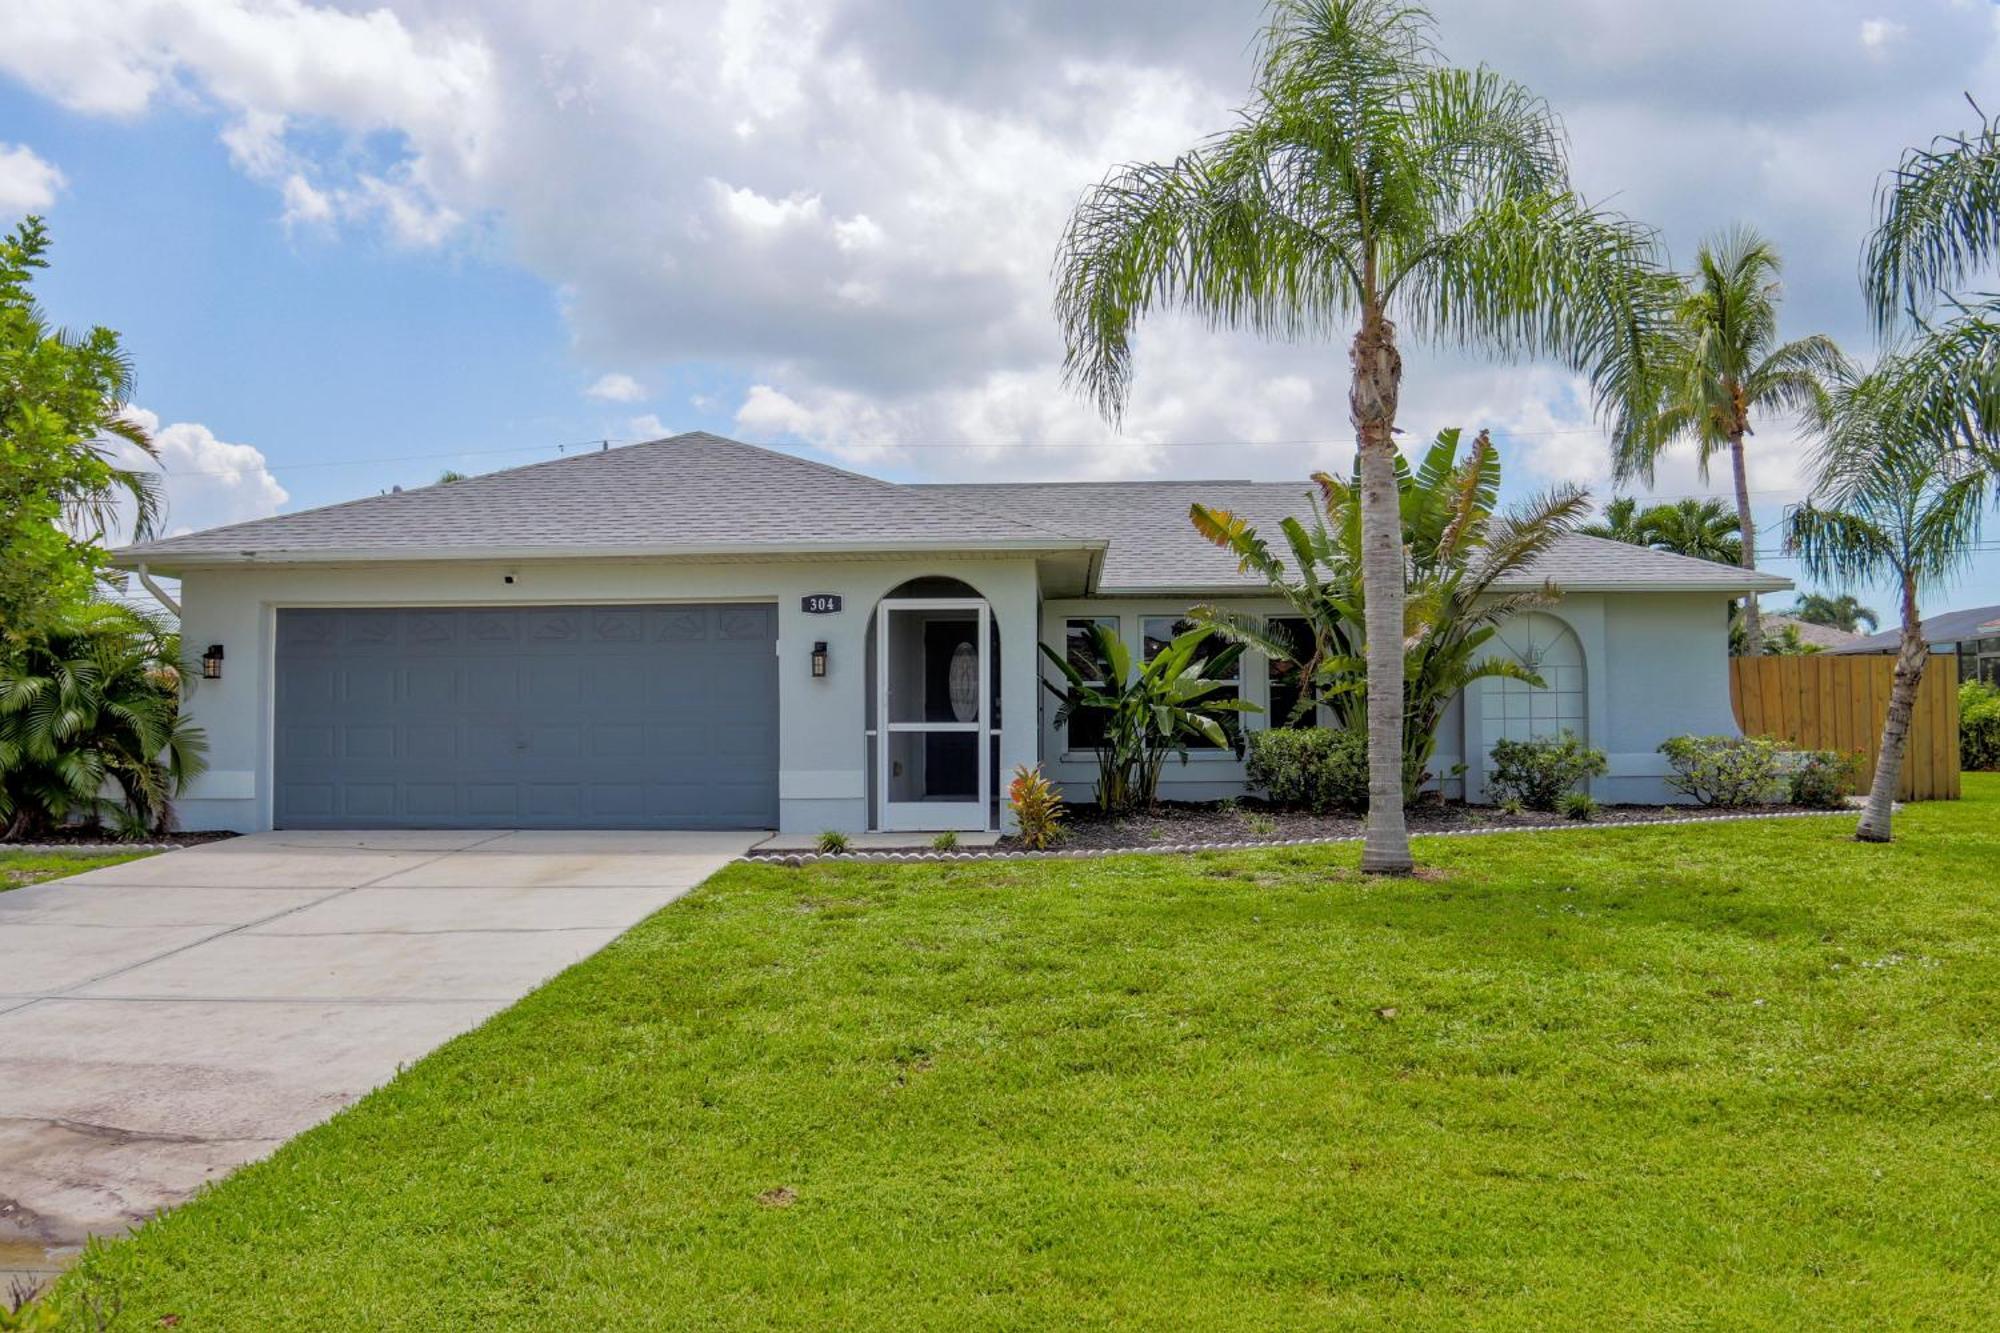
[
  {"x": 87, "y": 837},
  {"x": 1172, "y": 824}
]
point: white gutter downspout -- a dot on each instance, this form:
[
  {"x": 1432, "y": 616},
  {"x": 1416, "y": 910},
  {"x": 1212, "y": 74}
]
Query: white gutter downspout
[{"x": 159, "y": 593}]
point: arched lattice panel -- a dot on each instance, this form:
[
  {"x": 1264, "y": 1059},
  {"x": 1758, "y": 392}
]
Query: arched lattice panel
[{"x": 1519, "y": 711}]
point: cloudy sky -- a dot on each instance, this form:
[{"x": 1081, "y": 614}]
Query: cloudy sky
[{"x": 351, "y": 245}]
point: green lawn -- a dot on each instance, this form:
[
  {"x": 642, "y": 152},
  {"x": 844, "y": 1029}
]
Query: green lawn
[
  {"x": 21, "y": 868},
  {"x": 1730, "y": 1076}
]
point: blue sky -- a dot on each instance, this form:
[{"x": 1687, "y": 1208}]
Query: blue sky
[{"x": 351, "y": 246}]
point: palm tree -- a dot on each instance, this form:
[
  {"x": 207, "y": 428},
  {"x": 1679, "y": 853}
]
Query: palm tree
[
  {"x": 1458, "y": 549},
  {"x": 1841, "y": 613},
  {"x": 1698, "y": 529},
  {"x": 1367, "y": 185},
  {"x": 1619, "y": 524},
  {"x": 96, "y": 702},
  {"x": 1895, "y": 507},
  {"x": 1724, "y": 365}
]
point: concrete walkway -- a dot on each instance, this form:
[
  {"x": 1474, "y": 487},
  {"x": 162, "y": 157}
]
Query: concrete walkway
[{"x": 165, "y": 1021}]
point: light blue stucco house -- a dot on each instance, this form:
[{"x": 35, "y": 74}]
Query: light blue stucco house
[{"x": 698, "y": 633}]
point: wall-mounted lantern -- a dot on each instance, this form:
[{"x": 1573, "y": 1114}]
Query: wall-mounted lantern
[
  {"x": 819, "y": 660},
  {"x": 211, "y": 662}
]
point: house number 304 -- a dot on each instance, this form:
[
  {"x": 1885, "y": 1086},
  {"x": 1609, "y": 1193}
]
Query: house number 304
[{"x": 820, "y": 603}]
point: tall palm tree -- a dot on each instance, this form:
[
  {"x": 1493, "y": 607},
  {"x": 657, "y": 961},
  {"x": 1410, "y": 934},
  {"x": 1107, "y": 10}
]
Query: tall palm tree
[
  {"x": 1890, "y": 505},
  {"x": 1699, "y": 529},
  {"x": 1842, "y": 613},
  {"x": 1367, "y": 185},
  {"x": 1726, "y": 365}
]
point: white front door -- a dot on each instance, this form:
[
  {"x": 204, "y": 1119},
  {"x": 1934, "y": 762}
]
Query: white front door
[{"x": 933, "y": 710}]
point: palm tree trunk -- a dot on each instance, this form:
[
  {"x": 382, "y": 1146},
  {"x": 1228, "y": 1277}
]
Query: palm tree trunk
[
  {"x": 1910, "y": 660},
  {"x": 1753, "y": 625},
  {"x": 1372, "y": 393}
]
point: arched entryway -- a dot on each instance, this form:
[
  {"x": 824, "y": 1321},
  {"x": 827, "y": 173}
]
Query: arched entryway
[{"x": 935, "y": 708}]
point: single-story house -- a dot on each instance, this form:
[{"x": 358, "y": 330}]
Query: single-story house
[
  {"x": 700, "y": 633},
  {"x": 1972, "y": 635}
]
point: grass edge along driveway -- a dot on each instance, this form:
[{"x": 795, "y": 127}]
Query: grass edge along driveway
[
  {"x": 1734, "y": 1074},
  {"x": 18, "y": 869}
]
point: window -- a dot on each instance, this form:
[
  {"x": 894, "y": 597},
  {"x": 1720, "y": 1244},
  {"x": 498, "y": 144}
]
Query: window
[
  {"x": 1159, "y": 631},
  {"x": 1285, "y": 677},
  {"x": 1086, "y": 725}
]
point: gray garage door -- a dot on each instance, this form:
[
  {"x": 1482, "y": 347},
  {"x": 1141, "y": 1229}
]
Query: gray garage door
[{"x": 542, "y": 717}]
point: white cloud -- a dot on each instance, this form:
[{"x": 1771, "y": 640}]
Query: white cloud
[
  {"x": 1878, "y": 35},
  {"x": 209, "y": 482},
  {"x": 617, "y": 388},
  {"x": 647, "y": 427},
  {"x": 852, "y": 204},
  {"x": 27, "y": 183}
]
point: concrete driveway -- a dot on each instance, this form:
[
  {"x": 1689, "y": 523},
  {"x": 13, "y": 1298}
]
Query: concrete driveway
[{"x": 165, "y": 1021}]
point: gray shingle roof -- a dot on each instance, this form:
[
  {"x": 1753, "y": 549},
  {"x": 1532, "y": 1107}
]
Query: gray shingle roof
[
  {"x": 1979, "y": 622},
  {"x": 1154, "y": 548},
  {"x": 693, "y": 492},
  {"x": 1823, "y": 637},
  {"x": 701, "y": 494}
]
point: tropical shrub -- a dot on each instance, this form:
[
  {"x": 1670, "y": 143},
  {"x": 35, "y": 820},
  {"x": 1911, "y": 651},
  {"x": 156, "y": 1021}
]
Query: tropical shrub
[
  {"x": 1311, "y": 768},
  {"x": 1539, "y": 773},
  {"x": 946, "y": 841},
  {"x": 1037, "y": 804},
  {"x": 1457, "y": 548},
  {"x": 89, "y": 707},
  {"x": 1978, "y": 725},
  {"x": 1149, "y": 713},
  {"x": 1823, "y": 779},
  {"x": 1726, "y": 771},
  {"x": 1580, "y": 806}
]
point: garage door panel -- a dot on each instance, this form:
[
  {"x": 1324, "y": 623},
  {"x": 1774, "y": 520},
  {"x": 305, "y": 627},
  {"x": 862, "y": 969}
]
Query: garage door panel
[{"x": 552, "y": 717}]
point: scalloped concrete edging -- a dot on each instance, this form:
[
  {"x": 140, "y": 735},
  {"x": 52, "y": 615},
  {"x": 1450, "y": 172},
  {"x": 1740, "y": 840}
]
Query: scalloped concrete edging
[
  {"x": 796, "y": 859},
  {"x": 96, "y": 848}
]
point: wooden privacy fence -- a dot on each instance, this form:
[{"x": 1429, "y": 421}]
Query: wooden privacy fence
[{"x": 1820, "y": 701}]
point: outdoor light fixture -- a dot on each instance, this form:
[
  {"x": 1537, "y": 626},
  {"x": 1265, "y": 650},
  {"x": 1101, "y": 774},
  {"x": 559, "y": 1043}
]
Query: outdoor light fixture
[
  {"x": 819, "y": 659},
  {"x": 211, "y": 662}
]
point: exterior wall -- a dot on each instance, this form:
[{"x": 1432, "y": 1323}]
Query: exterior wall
[
  {"x": 1655, "y": 665},
  {"x": 823, "y": 748}
]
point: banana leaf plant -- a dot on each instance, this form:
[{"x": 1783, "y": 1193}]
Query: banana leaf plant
[
  {"x": 1456, "y": 550},
  {"x": 1147, "y": 714}
]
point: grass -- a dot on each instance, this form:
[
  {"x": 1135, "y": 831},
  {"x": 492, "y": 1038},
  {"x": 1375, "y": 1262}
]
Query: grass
[
  {"x": 18, "y": 869},
  {"x": 1736, "y": 1075}
]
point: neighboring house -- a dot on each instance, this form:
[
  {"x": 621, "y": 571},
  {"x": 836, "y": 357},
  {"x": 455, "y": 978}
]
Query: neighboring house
[
  {"x": 1820, "y": 638},
  {"x": 1973, "y": 636},
  {"x": 700, "y": 633}
]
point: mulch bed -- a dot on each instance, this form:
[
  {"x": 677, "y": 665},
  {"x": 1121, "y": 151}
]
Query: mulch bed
[
  {"x": 82, "y": 839},
  {"x": 1172, "y": 824}
]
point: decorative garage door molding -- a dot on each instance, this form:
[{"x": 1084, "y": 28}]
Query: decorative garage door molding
[{"x": 527, "y": 717}]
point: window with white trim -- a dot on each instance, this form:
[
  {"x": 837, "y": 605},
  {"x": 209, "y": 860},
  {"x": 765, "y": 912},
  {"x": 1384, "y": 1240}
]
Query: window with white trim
[{"x": 1086, "y": 725}]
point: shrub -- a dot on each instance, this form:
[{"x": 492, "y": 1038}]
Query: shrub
[
  {"x": 946, "y": 841},
  {"x": 1311, "y": 768},
  {"x": 1037, "y": 804},
  {"x": 1823, "y": 779},
  {"x": 1726, "y": 771},
  {"x": 1261, "y": 825},
  {"x": 1978, "y": 725},
  {"x": 1578, "y": 805},
  {"x": 1539, "y": 773},
  {"x": 831, "y": 842}
]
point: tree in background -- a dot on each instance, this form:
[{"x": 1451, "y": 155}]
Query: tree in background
[
  {"x": 1891, "y": 504},
  {"x": 62, "y": 490},
  {"x": 1368, "y": 187},
  {"x": 1620, "y": 523},
  {"x": 1700, "y": 529},
  {"x": 1841, "y": 613},
  {"x": 1723, "y": 366}
]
